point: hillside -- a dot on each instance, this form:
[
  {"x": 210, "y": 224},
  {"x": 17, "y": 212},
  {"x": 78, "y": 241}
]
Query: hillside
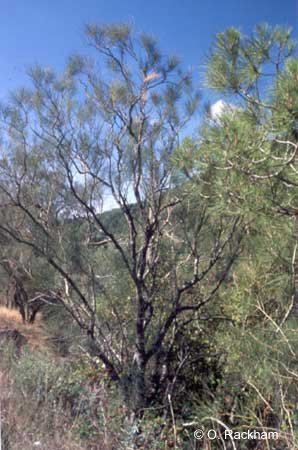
[{"x": 34, "y": 335}]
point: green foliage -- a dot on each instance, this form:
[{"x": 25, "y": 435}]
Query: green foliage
[
  {"x": 245, "y": 162},
  {"x": 237, "y": 62}
]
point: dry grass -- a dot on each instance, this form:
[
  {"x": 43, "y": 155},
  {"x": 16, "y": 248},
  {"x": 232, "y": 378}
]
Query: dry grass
[
  {"x": 49, "y": 421},
  {"x": 24, "y": 423},
  {"x": 9, "y": 315},
  {"x": 23, "y": 420},
  {"x": 35, "y": 333}
]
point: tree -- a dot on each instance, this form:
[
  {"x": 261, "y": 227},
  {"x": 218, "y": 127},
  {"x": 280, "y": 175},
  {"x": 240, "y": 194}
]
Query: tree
[
  {"x": 249, "y": 151},
  {"x": 259, "y": 74},
  {"x": 255, "y": 146},
  {"x": 110, "y": 129}
]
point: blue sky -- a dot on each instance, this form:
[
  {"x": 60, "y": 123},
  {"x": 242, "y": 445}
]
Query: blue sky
[{"x": 47, "y": 31}]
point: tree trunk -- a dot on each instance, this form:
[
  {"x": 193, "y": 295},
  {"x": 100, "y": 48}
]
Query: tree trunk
[{"x": 139, "y": 386}]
